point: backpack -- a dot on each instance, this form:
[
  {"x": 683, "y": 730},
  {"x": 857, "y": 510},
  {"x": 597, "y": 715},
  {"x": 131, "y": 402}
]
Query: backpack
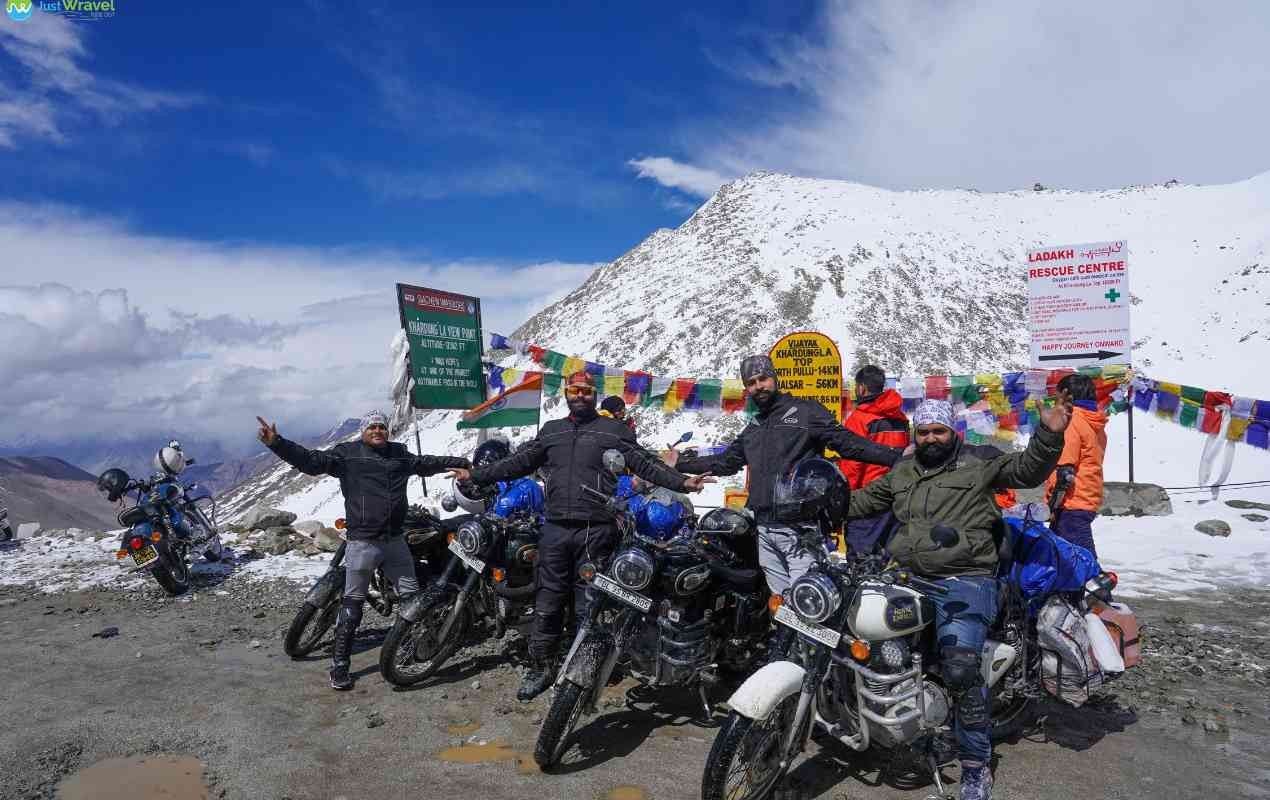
[{"x": 1069, "y": 670}]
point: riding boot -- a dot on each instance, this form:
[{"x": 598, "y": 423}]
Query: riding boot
[
  {"x": 542, "y": 672},
  {"x": 976, "y": 781},
  {"x": 350, "y": 616}
]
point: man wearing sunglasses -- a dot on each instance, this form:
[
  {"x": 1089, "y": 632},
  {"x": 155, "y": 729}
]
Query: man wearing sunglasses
[
  {"x": 578, "y": 529},
  {"x": 373, "y": 472}
]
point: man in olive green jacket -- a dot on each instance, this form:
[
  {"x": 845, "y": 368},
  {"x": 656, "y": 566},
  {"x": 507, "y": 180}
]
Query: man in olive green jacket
[{"x": 942, "y": 497}]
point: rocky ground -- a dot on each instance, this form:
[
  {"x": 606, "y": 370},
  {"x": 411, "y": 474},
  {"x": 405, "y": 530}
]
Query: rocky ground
[{"x": 205, "y": 676}]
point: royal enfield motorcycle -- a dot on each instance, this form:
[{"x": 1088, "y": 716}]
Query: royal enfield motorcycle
[
  {"x": 425, "y": 535},
  {"x": 863, "y": 668},
  {"x": 674, "y": 607},
  {"x": 490, "y": 575},
  {"x": 165, "y": 527}
]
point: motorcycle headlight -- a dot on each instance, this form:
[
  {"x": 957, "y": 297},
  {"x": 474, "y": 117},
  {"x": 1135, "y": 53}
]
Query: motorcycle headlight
[
  {"x": 692, "y": 579},
  {"x": 893, "y": 653},
  {"x": 815, "y": 596},
  {"x": 633, "y": 569},
  {"x": 473, "y": 537}
]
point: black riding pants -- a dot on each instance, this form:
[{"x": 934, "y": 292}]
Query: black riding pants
[{"x": 562, "y": 547}]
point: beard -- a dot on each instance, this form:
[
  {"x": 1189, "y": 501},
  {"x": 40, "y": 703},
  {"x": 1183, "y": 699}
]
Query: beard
[
  {"x": 933, "y": 454},
  {"x": 581, "y": 409},
  {"x": 763, "y": 398}
]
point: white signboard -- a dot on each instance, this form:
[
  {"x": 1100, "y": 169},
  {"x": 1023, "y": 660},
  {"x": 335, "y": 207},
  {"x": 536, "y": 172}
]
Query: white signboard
[{"x": 1078, "y": 305}]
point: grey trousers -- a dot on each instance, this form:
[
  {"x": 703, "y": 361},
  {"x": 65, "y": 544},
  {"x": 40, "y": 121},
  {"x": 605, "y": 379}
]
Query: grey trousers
[
  {"x": 363, "y": 556},
  {"x": 782, "y": 557}
]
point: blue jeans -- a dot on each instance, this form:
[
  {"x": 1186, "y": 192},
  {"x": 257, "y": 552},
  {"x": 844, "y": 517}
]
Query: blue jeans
[{"x": 962, "y": 618}]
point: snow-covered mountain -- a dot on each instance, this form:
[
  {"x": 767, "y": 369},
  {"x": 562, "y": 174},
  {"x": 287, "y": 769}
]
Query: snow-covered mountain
[{"x": 924, "y": 282}]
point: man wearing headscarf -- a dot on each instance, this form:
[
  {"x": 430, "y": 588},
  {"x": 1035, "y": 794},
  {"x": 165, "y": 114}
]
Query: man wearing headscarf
[
  {"x": 786, "y": 430},
  {"x": 373, "y": 472},
  {"x": 949, "y": 530}
]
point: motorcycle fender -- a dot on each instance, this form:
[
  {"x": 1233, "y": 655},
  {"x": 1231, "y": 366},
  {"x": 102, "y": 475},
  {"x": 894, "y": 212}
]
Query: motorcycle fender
[
  {"x": 585, "y": 661},
  {"x": 325, "y": 588},
  {"x": 765, "y": 689},
  {"x": 422, "y": 601}
]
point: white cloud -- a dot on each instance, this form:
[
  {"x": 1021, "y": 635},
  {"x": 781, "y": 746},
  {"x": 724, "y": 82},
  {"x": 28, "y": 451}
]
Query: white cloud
[
  {"x": 997, "y": 94},
  {"x": 675, "y": 175},
  {"x": 48, "y": 88},
  {"x": 115, "y": 333}
]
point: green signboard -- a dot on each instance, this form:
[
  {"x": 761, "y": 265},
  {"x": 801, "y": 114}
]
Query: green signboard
[{"x": 444, "y": 331}]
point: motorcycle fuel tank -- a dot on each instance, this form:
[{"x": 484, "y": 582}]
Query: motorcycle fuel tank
[{"x": 883, "y": 611}]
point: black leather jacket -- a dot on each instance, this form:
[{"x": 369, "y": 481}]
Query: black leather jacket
[{"x": 373, "y": 480}]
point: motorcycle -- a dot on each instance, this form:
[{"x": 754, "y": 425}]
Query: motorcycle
[
  {"x": 864, "y": 670},
  {"x": 490, "y": 575},
  {"x": 164, "y": 527},
  {"x": 673, "y": 608},
  {"x": 425, "y": 535}
]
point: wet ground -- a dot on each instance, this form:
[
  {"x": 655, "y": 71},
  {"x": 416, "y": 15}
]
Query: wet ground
[{"x": 198, "y": 695}]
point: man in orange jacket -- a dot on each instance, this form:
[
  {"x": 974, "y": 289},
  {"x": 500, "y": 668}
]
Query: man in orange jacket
[
  {"x": 1080, "y": 465},
  {"x": 877, "y": 417}
]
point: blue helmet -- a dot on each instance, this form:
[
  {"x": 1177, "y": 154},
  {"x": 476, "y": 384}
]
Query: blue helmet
[
  {"x": 522, "y": 495},
  {"x": 625, "y": 487},
  {"x": 658, "y": 519}
]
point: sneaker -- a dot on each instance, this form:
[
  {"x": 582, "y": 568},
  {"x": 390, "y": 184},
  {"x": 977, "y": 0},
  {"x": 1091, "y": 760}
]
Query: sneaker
[
  {"x": 341, "y": 681},
  {"x": 976, "y": 781}
]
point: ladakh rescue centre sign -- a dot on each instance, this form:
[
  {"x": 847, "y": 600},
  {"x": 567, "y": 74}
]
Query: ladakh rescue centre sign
[{"x": 1078, "y": 305}]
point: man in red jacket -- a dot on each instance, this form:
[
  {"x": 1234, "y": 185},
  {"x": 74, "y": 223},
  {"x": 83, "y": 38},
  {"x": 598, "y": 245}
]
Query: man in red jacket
[{"x": 877, "y": 417}]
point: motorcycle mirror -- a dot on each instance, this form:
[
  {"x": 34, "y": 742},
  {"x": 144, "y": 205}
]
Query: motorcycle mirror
[
  {"x": 614, "y": 462},
  {"x": 449, "y": 504},
  {"x": 944, "y": 536},
  {"x": 189, "y": 461}
]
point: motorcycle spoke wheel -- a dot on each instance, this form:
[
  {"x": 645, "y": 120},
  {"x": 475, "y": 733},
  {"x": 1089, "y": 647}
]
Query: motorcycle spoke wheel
[
  {"x": 745, "y": 761},
  {"x": 413, "y": 651}
]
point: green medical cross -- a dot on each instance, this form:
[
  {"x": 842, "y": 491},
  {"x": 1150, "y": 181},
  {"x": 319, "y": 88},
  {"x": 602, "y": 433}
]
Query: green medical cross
[{"x": 1112, "y": 295}]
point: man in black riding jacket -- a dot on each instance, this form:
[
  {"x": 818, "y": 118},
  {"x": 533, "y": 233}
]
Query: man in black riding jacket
[
  {"x": 373, "y": 473},
  {"x": 786, "y": 430},
  {"x": 578, "y": 528}
]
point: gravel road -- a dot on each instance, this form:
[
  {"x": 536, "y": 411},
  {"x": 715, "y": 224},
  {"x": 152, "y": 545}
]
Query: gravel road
[{"x": 205, "y": 677}]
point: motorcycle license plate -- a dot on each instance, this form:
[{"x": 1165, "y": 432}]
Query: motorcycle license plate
[
  {"x": 826, "y": 636},
  {"x": 144, "y": 556},
  {"x": 472, "y": 562},
  {"x": 634, "y": 599}
]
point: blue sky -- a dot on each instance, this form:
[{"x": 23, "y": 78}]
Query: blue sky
[
  {"x": 226, "y": 193},
  {"x": 473, "y": 130}
]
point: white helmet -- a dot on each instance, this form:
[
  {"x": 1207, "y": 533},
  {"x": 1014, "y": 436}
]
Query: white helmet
[
  {"x": 472, "y": 505},
  {"x": 170, "y": 459}
]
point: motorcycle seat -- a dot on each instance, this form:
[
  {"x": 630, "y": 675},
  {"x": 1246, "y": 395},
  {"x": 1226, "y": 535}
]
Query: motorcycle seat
[{"x": 131, "y": 516}]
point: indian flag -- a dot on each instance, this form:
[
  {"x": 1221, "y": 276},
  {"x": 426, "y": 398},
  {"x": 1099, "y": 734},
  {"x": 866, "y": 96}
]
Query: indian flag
[{"x": 518, "y": 405}]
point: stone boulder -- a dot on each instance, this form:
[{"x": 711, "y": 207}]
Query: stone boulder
[
  {"x": 1134, "y": 500},
  {"x": 1213, "y": 527},
  {"x": 308, "y": 527},
  {"x": 1249, "y": 505},
  {"x": 27, "y": 530},
  {"x": 328, "y": 539},
  {"x": 1255, "y": 517},
  {"x": 280, "y": 540},
  {"x": 263, "y": 518}
]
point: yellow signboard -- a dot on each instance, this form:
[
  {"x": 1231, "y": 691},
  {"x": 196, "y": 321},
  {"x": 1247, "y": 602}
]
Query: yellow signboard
[{"x": 809, "y": 365}]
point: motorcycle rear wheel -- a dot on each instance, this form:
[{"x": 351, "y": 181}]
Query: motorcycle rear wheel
[
  {"x": 171, "y": 572},
  {"x": 557, "y": 726},
  {"x": 309, "y": 626},
  {"x": 744, "y": 762},
  {"x": 412, "y": 653}
]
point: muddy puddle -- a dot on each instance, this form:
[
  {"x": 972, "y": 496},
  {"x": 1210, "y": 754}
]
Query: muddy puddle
[
  {"x": 489, "y": 753},
  {"x": 463, "y": 727},
  {"x": 626, "y": 792},
  {"x": 162, "y": 777}
]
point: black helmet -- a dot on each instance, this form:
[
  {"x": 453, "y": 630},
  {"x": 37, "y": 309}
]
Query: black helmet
[
  {"x": 488, "y": 452},
  {"x": 813, "y": 491},
  {"x": 729, "y": 523},
  {"x": 113, "y": 483}
]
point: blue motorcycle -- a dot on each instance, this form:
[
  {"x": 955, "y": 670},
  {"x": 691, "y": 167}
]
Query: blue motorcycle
[
  {"x": 165, "y": 526},
  {"x": 490, "y": 575}
]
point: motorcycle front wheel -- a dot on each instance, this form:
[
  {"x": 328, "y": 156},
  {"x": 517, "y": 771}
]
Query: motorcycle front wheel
[
  {"x": 745, "y": 761},
  {"x": 309, "y": 626},
  {"x": 413, "y": 652},
  {"x": 562, "y": 717},
  {"x": 171, "y": 572}
]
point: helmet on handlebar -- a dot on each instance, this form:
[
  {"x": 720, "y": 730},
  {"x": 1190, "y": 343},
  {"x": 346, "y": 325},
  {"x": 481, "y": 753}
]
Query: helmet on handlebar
[
  {"x": 812, "y": 491},
  {"x": 489, "y": 451},
  {"x": 113, "y": 483},
  {"x": 728, "y": 522},
  {"x": 660, "y": 514},
  {"x": 170, "y": 460}
]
